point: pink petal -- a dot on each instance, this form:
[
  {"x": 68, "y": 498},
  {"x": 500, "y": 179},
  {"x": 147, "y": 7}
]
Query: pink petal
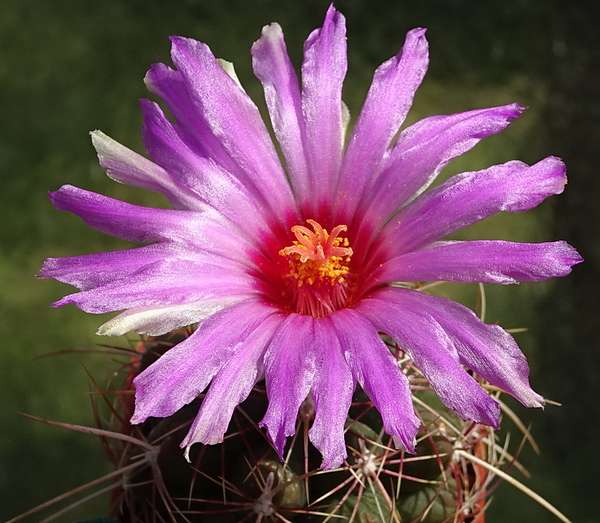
[
  {"x": 289, "y": 374},
  {"x": 164, "y": 282},
  {"x": 274, "y": 69},
  {"x": 203, "y": 231},
  {"x": 94, "y": 270},
  {"x": 235, "y": 121},
  {"x": 323, "y": 72},
  {"x": 377, "y": 372},
  {"x": 481, "y": 261},
  {"x": 183, "y": 372},
  {"x": 487, "y": 349},
  {"x": 232, "y": 385},
  {"x": 205, "y": 179},
  {"x": 422, "y": 151},
  {"x": 431, "y": 349},
  {"x": 468, "y": 198},
  {"x": 388, "y": 102},
  {"x": 332, "y": 395},
  {"x": 170, "y": 86}
]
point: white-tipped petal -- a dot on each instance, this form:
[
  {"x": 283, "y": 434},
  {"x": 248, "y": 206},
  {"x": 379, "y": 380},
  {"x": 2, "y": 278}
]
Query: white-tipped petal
[
  {"x": 230, "y": 70},
  {"x": 156, "y": 321}
]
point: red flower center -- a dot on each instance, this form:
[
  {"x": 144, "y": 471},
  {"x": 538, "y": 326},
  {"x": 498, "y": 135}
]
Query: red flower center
[{"x": 317, "y": 275}]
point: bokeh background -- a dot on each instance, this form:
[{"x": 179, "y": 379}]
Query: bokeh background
[{"x": 68, "y": 67}]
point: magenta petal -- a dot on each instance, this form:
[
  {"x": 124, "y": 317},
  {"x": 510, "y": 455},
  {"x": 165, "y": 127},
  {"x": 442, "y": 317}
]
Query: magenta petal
[
  {"x": 94, "y": 270},
  {"x": 481, "y": 261},
  {"x": 205, "y": 179},
  {"x": 202, "y": 231},
  {"x": 232, "y": 385},
  {"x": 170, "y": 86},
  {"x": 377, "y": 372},
  {"x": 289, "y": 373},
  {"x": 469, "y": 197},
  {"x": 332, "y": 395},
  {"x": 274, "y": 69},
  {"x": 431, "y": 349},
  {"x": 323, "y": 72},
  {"x": 235, "y": 121},
  {"x": 183, "y": 372},
  {"x": 487, "y": 349},
  {"x": 165, "y": 282},
  {"x": 386, "y": 106},
  {"x": 124, "y": 220},
  {"x": 423, "y": 150}
]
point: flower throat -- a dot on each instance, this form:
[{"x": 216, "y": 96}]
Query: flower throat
[{"x": 317, "y": 270}]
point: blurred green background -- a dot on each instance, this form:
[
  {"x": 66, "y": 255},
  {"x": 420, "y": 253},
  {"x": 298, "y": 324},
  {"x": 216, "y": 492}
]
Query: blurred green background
[{"x": 68, "y": 67}]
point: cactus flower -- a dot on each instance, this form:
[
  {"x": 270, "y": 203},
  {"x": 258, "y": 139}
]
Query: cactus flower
[{"x": 293, "y": 266}]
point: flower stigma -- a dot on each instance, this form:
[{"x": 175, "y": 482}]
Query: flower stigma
[{"x": 317, "y": 270}]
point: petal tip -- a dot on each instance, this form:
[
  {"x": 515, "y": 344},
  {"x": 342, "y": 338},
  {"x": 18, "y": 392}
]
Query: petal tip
[
  {"x": 332, "y": 462},
  {"x": 186, "y": 453},
  {"x": 402, "y": 443},
  {"x": 277, "y": 438},
  {"x": 418, "y": 35},
  {"x": 520, "y": 108},
  {"x": 137, "y": 417},
  {"x": 334, "y": 17},
  {"x": 271, "y": 31}
]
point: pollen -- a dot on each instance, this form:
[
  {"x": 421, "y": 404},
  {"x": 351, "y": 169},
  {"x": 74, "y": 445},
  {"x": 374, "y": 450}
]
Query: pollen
[{"x": 318, "y": 265}]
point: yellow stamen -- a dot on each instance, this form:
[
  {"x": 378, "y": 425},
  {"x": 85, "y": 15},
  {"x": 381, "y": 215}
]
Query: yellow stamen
[
  {"x": 318, "y": 271},
  {"x": 318, "y": 257}
]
